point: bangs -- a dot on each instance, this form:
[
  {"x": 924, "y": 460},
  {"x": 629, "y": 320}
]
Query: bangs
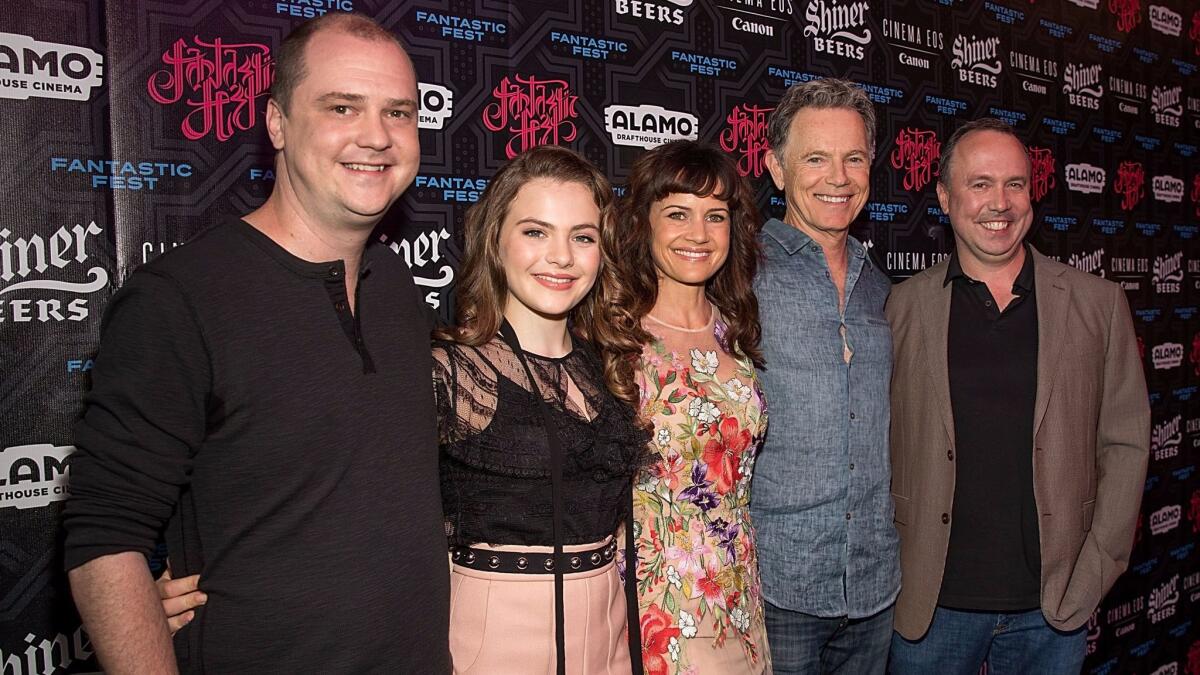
[{"x": 701, "y": 172}]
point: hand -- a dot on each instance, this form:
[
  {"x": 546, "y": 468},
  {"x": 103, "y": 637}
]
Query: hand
[{"x": 180, "y": 597}]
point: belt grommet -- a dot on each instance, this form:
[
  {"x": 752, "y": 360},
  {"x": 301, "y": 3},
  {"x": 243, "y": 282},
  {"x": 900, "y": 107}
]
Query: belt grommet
[
  {"x": 549, "y": 564},
  {"x": 457, "y": 555},
  {"x": 494, "y": 562},
  {"x": 522, "y": 563},
  {"x": 595, "y": 558},
  {"x": 608, "y": 553},
  {"x": 470, "y": 557},
  {"x": 575, "y": 562}
]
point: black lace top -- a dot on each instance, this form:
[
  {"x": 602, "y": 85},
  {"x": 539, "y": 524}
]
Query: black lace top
[{"x": 495, "y": 461}]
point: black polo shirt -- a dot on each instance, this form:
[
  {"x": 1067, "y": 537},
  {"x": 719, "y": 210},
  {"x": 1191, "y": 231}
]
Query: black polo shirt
[{"x": 993, "y": 561}]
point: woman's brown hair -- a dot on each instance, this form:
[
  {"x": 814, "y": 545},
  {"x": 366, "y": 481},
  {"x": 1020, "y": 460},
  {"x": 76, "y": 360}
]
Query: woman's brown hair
[
  {"x": 482, "y": 289},
  {"x": 678, "y": 167}
]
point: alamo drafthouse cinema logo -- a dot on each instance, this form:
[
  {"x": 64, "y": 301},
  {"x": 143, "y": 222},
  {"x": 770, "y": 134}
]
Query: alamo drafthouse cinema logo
[
  {"x": 33, "y": 69},
  {"x": 648, "y": 126},
  {"x": 33, "y": 476}
]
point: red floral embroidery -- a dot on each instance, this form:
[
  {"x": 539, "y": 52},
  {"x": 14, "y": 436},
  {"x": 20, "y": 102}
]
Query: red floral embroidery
[
  {"x": 657, "y": 632},
  {"x": 723, "y": 455}
]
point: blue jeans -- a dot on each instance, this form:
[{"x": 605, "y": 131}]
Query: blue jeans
[
  {"x": 960, "y": 642},
  {"x": 803, "y": 644}
]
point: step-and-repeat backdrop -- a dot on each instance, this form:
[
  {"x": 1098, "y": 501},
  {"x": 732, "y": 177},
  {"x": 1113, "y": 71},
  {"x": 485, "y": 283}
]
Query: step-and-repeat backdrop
[{"x": 126, "y": 126}]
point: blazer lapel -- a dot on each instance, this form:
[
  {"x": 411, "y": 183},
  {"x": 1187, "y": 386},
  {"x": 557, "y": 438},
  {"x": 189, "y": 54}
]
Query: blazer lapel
[
  {"x": 936, "y": 327},
  {"x": 1053, "y": 299}
]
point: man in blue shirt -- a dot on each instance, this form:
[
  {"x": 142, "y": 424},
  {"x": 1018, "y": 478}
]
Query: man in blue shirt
[{"x": 821, "y": 499}]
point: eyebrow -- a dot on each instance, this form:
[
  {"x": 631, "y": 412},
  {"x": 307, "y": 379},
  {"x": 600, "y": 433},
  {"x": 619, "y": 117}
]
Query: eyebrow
[
  {"x": 359, "y": 98},
  {"x": 580, "y": 226},
  {"x": 688, "y": 208}
]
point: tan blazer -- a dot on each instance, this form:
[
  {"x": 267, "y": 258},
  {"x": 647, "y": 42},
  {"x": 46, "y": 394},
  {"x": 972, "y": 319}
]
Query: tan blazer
[{"x": 1091, "y": 438}]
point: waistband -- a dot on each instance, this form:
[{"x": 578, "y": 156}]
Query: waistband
[{"x": 532, "y": 561}]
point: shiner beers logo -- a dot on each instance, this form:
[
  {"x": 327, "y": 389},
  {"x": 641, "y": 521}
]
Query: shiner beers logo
[
  {"x": 648, "y": 126},
  {"x": 35, "y": 278},
  {"x": 1081, "y": 84},
  {"x": 1168, "y": 272},
  {"x": 219, "y": 82},
  {"x": 1092, "y": 263},
  {"x": 1130, "y": 184},
  {"x": 746, "y": 135},
  {"x": 1042, "y": 181},
  {"x": 977, "y": 60},
  {"x": 29, "y": 68},
  {"x": 32, "y": 476},
  {"x": 1162, "y": 600},
  {"x": 1165, "y": 438},
  {"x": 838, "y": 29},
  {"x": 535, "y": 111},
  {"x": 1085, "y": 178},
  {"x": 917, "y": 155},
  {"x": 1166, "y": 104}
]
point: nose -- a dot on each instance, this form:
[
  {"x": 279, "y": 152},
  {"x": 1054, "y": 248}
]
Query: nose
[
  {"x": 1001, "y": 200},
  {"x": 837, "y": 173},
  {"x": 372, "y": 133},
  {"x": 559, "y": 251},
  {"x": 697, "y": 231}
]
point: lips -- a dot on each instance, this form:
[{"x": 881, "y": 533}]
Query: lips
[
  {"x": 833, "y": 199},
  {"x": 692, "y": 254},
  {"x": 994, "y": 225},
  {"x": 356, "y": 166},
  {"x": 555, "y": 281}
]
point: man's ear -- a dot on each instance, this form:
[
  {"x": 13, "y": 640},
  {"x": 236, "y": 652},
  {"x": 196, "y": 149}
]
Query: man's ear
[
  {"x": 275, "y": 123},
  {"x": 943, "y": 196},
  {"x": 775, "y": 167}
]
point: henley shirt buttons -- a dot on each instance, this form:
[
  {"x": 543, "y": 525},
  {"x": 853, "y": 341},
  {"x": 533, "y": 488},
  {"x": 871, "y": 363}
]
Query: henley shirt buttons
[
  {"x": 847, "y": 516},
  {"x": 851, "y": 415},
  {"x": 334, "y": 272},
  {"x": 945, "y": 518},
  {"x": 851, "y": 466},
  {"x": 340, "y": 306}
]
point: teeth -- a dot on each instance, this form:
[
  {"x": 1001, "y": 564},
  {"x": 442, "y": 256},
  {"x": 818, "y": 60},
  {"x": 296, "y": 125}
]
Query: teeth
[
  {"x": 832, "y": 200},
  {"x": 554, "y": 280},
  {"x": 365, "y": 167},
  {"x": 694, "y": 255},
  {"x": 994, "y": 225}
]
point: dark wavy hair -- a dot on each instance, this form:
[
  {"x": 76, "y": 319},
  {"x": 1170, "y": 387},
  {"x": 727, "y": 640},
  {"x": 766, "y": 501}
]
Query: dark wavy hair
[
  {"x": 678, "y": 167},
  {"x": 482, "y": 289}
]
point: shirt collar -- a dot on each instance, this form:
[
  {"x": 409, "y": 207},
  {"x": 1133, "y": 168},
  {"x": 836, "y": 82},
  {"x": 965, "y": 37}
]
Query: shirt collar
[
  {"x": 792, "y": 239},
  {"x": 1021, "y": 285}
]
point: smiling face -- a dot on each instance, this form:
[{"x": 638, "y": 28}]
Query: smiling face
[
  {"x": 689, "y": 237},
  {"x": 824, "y": 169},
  {"x": 986, "y": 196},
  {"x": 347, "y": 143},
  {"x": 549, "y": 248}
]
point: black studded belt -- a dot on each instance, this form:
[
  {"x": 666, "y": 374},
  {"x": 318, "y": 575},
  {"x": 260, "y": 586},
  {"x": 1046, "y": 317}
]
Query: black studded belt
[{"x": 522, "y": 562}]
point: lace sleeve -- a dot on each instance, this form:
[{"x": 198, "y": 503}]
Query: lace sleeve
[{"x": 464, "y": 386}]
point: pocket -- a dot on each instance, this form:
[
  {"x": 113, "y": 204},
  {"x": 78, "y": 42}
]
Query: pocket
[
  {"x": 903, "y": 509},
  {"x": 1089, "y": 510}
]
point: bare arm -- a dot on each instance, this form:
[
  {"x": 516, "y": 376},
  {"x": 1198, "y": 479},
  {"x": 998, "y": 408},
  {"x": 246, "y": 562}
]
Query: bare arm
[{"x": 123, "y": 614}]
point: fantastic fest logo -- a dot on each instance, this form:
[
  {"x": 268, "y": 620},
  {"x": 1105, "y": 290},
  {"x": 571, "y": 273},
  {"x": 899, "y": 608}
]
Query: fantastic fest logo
[
  {"x": 535, "y": 111},
  {"x": 1042, "y": 181},
  {"x": 32, "y": 271},
  {"x": 32, "y": 476},
  {"x": 1130, "y": 184},
  {"x": 746, "y": 136},
  {"x": 1193, "y": 659},
  {"x": 30, "y": 68},
  {"x": 1194, "y": 511},
  {"x": 1194, "y": 35},
  {"x": 220, "y": 83},
  {"x": 1128, "y": 13},
  {"x": 917, "y": 155},
  {"x": 1196, "y": 194}
]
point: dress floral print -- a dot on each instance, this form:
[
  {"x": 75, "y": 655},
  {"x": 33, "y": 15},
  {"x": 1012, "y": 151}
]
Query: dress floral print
[{"x": 698, "y": 584}]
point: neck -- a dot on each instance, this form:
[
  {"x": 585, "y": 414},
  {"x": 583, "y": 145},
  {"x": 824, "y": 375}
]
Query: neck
[
  {"x": 1000, "y": 273},
  {"x": 541, "y": 335},
  {"x": 683, "y": 305}
]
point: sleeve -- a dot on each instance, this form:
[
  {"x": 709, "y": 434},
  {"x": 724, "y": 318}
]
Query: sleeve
[
  {"x": 142, "y": 424},
  {"x": 1122, "y": 447},
  {"x": 443, "y": 391}
]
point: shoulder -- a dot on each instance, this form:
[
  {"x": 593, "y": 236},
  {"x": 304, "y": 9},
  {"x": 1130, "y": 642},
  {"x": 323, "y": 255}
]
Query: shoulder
[
  {"x": 201, "y": 256},
  {"x": 1080, "y": 282}
]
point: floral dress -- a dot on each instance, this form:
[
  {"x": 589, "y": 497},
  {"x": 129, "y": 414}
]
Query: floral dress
[{"x": 698, "y": 586}]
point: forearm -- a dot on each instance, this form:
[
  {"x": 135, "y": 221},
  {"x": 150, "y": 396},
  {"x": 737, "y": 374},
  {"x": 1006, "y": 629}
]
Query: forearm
[{"x": 123, "y": 614}]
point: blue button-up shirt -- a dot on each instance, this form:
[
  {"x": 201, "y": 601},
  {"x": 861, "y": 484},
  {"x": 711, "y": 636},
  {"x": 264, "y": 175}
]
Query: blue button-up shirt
[{"x": 821, "y": 499}]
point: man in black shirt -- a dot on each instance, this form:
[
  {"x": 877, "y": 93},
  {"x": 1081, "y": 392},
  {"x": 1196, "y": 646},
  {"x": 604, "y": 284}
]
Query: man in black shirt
[
  {"x": 1020, "y": 433},
  {"x": 264, "y": 394}
]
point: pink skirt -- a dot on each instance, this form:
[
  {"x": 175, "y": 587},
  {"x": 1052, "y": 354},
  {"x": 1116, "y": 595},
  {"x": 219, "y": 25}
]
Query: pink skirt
[{"x": 503, "y": 624}]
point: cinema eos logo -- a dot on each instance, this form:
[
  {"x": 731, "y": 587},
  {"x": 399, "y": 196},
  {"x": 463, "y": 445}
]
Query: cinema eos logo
[
  {"x": 1165, "y": 519},
  {"x": 1042, "y": 180},
  {"x": 1165, "y": 438},
  {"x": 1165, "y": 21},
  {"x": 437, "y": 105},
  {"x": 648, "y": 126},
  {"x": 1168, "y": 272},
  {"x": 1167, "y": 189},
  {"x": 29, "y": 68},
  {"x": 662, "y": 11},
  {"x": 838, "y": 29},
  {"x": 1082, "y": 85},
  {"x": 917, "y": 154},
  {"x": 1037, "y": 71},
  {"x": 1166, "y": 356},
  {"x": 35, "y": 256},
  {"x": 32, "y": 476},
  {"x": 746, "y": 135},
  {"x": 1166, "y": 105},
  {"x": 1130, "y": 184},
  {"x": 535, "y": 111},
  {"x": 220, "y": 84},
  {"x": 926, "y": 42},
  {"x": 1085, "y": 178},
  {"x": 1162, "y": 600},
  {"x": 1092, "y": 263}
]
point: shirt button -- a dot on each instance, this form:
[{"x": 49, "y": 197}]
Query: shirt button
[
  {"x": 851, "y": 415},
  {"x": 950, "y": 455},
  {"x": 946, "y": 518},
  {"x": 851, "y": 466},
  {"x": 334, "y": 272},
  {"x": 340, "y": 306},
  {"x": 847, "y": 516},
  {"x": 987, "y": 303}
]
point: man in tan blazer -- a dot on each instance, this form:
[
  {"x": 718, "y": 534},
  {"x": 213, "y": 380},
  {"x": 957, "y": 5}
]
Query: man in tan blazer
[{"x": 1020, "y": 433}]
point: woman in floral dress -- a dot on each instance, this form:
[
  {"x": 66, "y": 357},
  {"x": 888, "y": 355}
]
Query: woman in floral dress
[{"x": 683, "y": 346}]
